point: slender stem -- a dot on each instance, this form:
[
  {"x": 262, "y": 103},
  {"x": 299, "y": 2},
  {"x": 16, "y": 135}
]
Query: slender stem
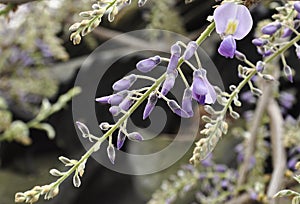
[{"x": 183, "y": 78}]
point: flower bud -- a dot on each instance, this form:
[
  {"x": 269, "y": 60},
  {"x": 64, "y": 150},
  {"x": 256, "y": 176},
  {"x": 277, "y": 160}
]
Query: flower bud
[
  {"x": 135, "y": 136},
  {"x": 111, "y": 153},
  {"x": 124, "y": 83},
  {"x": 104, "y": 126},
  {"x": 169, "y": 82},
  {"x": 190, "y": 50},
  {"x": 152, "y": 99},
  {"x": 175, "y": 55},
  {"x": 260, "y": 66},
  {"x": 288, "y": 73},
  {"x": 297, "y": 6},
  {"x": 259, "y": 42},
  {"x": 187, "y": 102},
  {"x": 117, "y": 98},
  {"x": 298, "y": 51},
  {"x": 141, "y": 3},
  {"x": 83, "y": 129},
  {"x": 287, "y": 33},
  {"x": 240, "y": 56},
  {"x": 175, "y": 108},
  {"x": 125, "y": 104},
  {"x": 271, "y": 28},
  {"x": 120, "y": 140},
  {"x": 115, "y": 110},
  {"x": 147, "y": 65},
  {"x": 103, "y": 99}
]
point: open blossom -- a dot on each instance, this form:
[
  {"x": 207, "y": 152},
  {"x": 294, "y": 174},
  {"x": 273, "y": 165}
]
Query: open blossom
[
  {"x": 233, "y": 22},
  {"x": 203, "y": 92}
]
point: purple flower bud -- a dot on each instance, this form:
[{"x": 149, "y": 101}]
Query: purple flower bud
[
  {"x": 135, "y": 136},
  {"x": 264, "y": 52},
  {"x": 187, "y": 102},
  {"x": 240, "y": 56},
  {"x": 288, "y": 73},
  {"x": 287, "y": 33},
  {"x": 175, "y": 108},
  {"x": 124, "y": 83},
  {"x": 152, "y": 99},
  {"x": 147, "y": 65},
  {"x": 175, "y": 55},
  {"x": 227, "y": 47},
  {"x": 292, "y": 162},
  {"x": 259, "y": 42},
  {"x": 111, "y": 153},
  {"x": 271, "y": 28},
  {"x": 224, "y": 183},
  {"x": 169, "y": 82},
  {"x": 120, "y": 140},
  {"x": 248, "y": 97},
  {"x": 103, "y": 99},
  {"x": 298, "y": 51},
  {"x": 117, "y": 98},
  {"x": 125, "y": 104},
  {"x": 260, "y": 66},
  {"x": 115, "y": 110},
  {"x": 297, "y": 6},
  {"x": 83, "y": 129},
  {"x": 190, "y": 50}
]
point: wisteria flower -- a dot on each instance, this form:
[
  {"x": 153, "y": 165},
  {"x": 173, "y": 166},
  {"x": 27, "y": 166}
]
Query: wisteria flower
[
  {"x": 203, "y": 92},
  {"x": 233, "y": 22}
]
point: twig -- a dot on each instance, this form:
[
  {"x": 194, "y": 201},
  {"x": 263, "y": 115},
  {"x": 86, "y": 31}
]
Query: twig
[
  {"x": 278, "y": 152},
  {"x": 16, "y": 1}
]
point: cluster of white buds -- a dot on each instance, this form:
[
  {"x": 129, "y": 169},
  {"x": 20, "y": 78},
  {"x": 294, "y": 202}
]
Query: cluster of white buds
[
  {"x": 33, "y": 195},
  {"x": 92, "y": 18}
]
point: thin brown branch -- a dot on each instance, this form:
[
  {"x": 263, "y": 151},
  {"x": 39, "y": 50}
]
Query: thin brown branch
[
  {"x": 15, "y": 1},
  {"x": 278, "y": 151},
  {"x": 256, "y": 121}
]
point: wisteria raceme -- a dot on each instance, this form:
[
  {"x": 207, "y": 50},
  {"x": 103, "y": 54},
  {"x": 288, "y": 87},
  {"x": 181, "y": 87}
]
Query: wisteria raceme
[{"x": 233, "y": 22}]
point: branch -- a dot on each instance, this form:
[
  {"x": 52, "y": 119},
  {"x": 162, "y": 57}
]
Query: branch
[
  {"x": 256, "y": 121},
  {"x": 278, "y": 151},
  {"x": 15, "y": 1}
]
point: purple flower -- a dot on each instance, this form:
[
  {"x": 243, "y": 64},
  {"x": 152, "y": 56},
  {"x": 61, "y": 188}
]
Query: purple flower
[
  {"x": 187, "y": 102},
  {"x": 190, "y": 50},
  {"x": 124, "y": 83},
  {"x": 135, "y": 136},
  {"x": 175, "y": 55},
  {"x": 173, "y": 105},
  {"x": 103, "y": 99},
  {"x": 120, "y": 140},
  {"x": 297, "y": 6},
  {"x": 264, "y": 52},
  {"x": 147, "y": 65},
  {"x": 271, "y": 28},
  {"x": 169, "y": 82},
  {"x": 286, "y": 99},
  {"x": 233, "y": 22},
  {"x": 203, "y": 92},
  {"x": 152, "y": 99},
  {"x": 292, "y": 162},
  {"x": 248, "y": 97}
]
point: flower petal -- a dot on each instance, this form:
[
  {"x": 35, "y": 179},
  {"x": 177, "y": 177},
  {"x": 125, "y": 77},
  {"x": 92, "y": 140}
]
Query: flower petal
[{"x": 227, "y": 47}]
